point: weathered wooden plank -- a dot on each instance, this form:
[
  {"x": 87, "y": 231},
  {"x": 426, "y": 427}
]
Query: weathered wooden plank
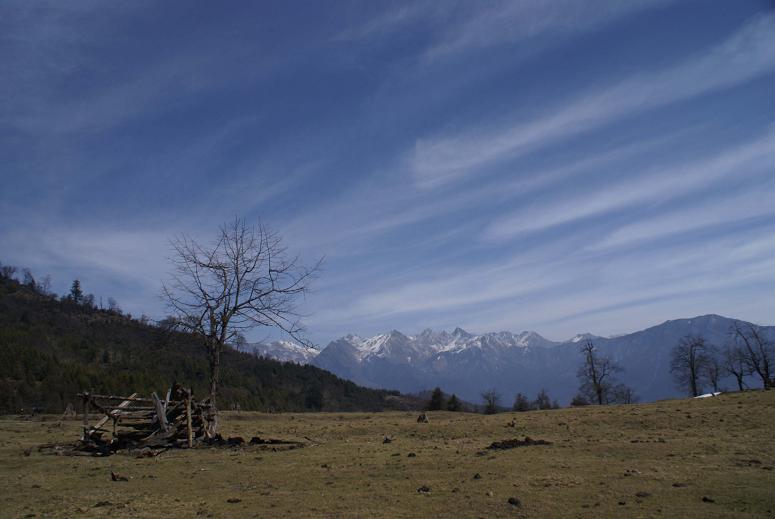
[
  {"x": 188, "y": 423},
  {"x": 85, "y": 415},
  {"x": 115, "y": 412},
  {"x": 161, "y": 412},
  {"x": 128, "y": 409}
]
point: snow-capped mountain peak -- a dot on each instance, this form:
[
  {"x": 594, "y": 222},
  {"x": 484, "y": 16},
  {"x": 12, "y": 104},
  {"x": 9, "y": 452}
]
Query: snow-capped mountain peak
[
  {"x": 582, "y": 337},
  {"x": 285, "y": 351},
  {"x": 400, "y": 348},
  {"x": 525, "y": 362},
  {"x": 461, "y": 333}
]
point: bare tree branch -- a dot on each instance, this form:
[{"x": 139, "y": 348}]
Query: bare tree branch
[
  {"x": 596, "y": 375},
  {"x": 243, "y": 280},
  {"x": 689, "y": 360},
  {"x": 757, "y": 350}
]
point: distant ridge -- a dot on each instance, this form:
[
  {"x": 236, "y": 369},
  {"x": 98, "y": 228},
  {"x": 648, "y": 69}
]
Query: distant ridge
[{"x": 467, "y": 364}]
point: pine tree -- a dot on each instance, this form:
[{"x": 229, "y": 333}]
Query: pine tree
[
  {"x": 437, "y": 400},
  {"x": 521, "y": 403},
  {"x": 579, "y": 400},
  {"x": 76, "y": 294},
  {"x": 542, "y": 401},
  {"x": 453, "y": 404}
]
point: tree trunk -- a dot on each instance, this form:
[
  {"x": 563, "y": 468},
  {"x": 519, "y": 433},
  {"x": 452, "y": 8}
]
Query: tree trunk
[
  {"x": 215, "y": 371},
  {"x": 739, "y": 382}
]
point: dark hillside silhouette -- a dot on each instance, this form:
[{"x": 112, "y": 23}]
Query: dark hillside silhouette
[{"x": 50, "y": 349}]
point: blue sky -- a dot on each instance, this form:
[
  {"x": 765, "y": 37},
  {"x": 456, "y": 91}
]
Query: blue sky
[{"x": 564, "y": 166}]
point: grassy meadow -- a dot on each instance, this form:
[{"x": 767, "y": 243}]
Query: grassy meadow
[{"x": 711, "y": 457}]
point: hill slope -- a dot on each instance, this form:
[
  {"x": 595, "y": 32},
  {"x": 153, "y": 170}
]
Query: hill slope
[{"x": 50, "y": 350}]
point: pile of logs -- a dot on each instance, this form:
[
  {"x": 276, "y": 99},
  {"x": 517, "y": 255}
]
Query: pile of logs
[{"x": 132, "y": 422}]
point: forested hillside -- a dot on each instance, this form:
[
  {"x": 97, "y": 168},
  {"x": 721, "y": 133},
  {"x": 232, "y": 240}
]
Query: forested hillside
[{"x": 51, "y": 348}]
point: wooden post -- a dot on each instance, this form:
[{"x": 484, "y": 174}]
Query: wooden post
[
  {"x": 85, "y": 417},
  {"x": 161, "y": 413},
  {"x": 188, "y": 422}
]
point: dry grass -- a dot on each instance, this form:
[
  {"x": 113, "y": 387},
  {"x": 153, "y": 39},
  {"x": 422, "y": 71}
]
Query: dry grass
[{"x": 626, "y": 461}]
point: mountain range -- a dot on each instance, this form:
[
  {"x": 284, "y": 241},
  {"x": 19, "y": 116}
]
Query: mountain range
[{"x": 468, "y": 364}]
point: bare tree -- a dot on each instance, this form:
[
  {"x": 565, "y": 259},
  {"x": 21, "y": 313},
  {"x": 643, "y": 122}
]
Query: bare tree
[
  {"x": 29, "y": 279},
  {"x": 7, "y": 271},
  {"x": 243, "y": 280},
  {"x": 688, "y": 360},
  {"x": 758, "y": 351},
  {"x": 713, "y": 369},
  {"x": 491, "y": 398},
  {"x": 596, "y": 374},
  {"x": 45, "y": 285},
  {"x": 113, "y": 306},
  {"x": 623, "y": 394},
  {"x": 735, "y": 363}
]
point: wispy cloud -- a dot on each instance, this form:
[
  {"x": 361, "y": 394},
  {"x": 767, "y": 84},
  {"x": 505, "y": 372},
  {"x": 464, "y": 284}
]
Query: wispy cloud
[
  {"x": 391, "y": 20},
  {"x": 747, "y": 54},
  {"x": 565, "y": 290},
  {"x": 639, "y": 189},
  {"x": 449, "y": 289},
  {"x": 486, "y": 25},
  {"x": 367, "y": 214},
  {"x": 707, "y": 215}
]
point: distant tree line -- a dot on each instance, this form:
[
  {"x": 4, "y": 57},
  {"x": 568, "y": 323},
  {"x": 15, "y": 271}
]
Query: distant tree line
[
  {"x": 542, "y": 402},
  {"x": 696, "y": 364},
  {"x": 490, "y": 402},
  {"x": 74, "y": 296},
  {"x": 439, "y": 402},
  {"x": 597, "y": 385}
]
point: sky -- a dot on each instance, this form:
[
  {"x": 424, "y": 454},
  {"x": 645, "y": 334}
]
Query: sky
[{"x": 565, "y": 167}]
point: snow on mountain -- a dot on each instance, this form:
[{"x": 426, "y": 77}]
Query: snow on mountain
[
  {"x": 468, "y": 364},
  {"x": 583, "y": 337},
  {"x": 284, "y": 351},
  {"x": 398, "y": 347}
]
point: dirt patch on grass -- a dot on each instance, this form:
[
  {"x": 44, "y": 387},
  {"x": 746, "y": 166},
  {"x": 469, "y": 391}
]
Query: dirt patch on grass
[{"x": 516, "y": 442}]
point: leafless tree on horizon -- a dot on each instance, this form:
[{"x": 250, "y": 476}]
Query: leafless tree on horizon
[
  {"x": 713, "y": 370},
  {"x": 688, "y": 362},
  {"x": 758, "y": 351},
  {"x": 596, "y": 374},
  {"x": 735, "y": 363},
  {"x": 491, "y": 399}
]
